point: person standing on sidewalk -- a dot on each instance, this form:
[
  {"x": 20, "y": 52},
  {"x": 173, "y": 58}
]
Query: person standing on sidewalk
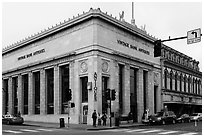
[
  {"x": 104, "y": 117},
  {"x": 99, "y": 119},
  {"x": 94, "y": 116}
]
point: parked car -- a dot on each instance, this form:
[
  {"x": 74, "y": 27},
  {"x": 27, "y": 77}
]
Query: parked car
[
  {"x": 183, "y": 118},
  {"x": 163, "y": 117},
  {"x": 196, "y": 116},
  {"x": 12, "y": 119}
]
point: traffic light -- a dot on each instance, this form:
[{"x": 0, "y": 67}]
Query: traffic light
[
  {"x": 108, "y": 94},
  {"x": 157, "y": 48},
  {"x": 69, "y": 95},
  {"x": 113, "y": 94}
]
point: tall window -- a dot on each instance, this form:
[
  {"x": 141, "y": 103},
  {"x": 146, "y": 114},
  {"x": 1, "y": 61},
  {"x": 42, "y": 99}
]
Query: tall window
[
  {"x": 196, "y": 85},
  {"x": 64, "y": 87},
  {"x": 165, "y": 78},
  {"x": 121, "y": 73},
  {"x": 36, "y": 81},
  {"x": 133, "y": 93},
  {"x": 181, "y": 81},
  {"x": 25, "y": 93},
  {"x": 15, "y": 87},
  {"x": 193, "y": 85},
  {"x": 5, "y": 90},
  {"x": 185, "y": 80},
  {"x": 189, "y": 84},
  {"x": 84, "y": 81},
  {"x": 176, "y": 76},
  {"x": 171, "y": 79},
  {"x": 50, "y": 90},
  {"x": 145, "y": 85},
  {"x": 104, "y": 98}
]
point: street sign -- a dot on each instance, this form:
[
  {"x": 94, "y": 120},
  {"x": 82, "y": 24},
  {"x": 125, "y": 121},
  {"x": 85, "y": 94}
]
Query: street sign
[{"x": 194, "y": 36}]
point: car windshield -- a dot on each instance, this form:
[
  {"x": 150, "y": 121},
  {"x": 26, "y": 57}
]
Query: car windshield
[
  {"x": 159, "y": 114},
  {"x": 194, "y": 114}
]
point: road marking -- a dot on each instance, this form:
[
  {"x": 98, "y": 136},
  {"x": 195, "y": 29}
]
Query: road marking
[
  {"x": 135, "y": 130},
  {"x": 190, "y": 133},
  {"x": 150, "y": 131},
  {"x": 116, "y": 130},
  {"x": 11, "y": 131},
  {"x": 28, "y": 130},
  {"x": 44, "y": 129},
  {"x": 168, "y": 132}
]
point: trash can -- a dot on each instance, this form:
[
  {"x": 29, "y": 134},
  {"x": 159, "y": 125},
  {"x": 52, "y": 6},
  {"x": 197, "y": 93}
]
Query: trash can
[
  {"x": 62, "y": 122},
  {"x": 117, "y": 119}
]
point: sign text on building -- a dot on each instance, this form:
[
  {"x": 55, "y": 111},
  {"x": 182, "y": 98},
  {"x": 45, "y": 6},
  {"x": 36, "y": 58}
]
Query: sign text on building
[
  {"x": 132, "y": 47},
  {"x": 31, "y": 54}
]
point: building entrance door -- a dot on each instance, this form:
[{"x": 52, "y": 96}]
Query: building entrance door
[{"x": 84, "y": 112}]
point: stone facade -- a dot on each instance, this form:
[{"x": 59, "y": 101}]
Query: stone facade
[{"x": 99, "y": 55}]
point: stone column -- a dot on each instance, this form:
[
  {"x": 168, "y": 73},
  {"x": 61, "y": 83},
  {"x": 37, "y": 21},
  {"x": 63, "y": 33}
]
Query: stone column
[
  {"x": 57, "y": 93},
  {"x": 150, "y": 92},
  {"x": 20, "y": 94},
  {"x": 140, "y": 90},
  {"x": 43, "y": 106},
  {"x": 11, "y": 96},
  {"x": 126, "y": 93},
  {"x": 31, "y": 96},
  {"x": 92, "y": 68},
  {"x": 114, "y": 81}
]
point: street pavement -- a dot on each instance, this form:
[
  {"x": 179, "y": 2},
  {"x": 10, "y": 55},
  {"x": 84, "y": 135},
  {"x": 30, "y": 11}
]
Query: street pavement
[{"x": 40, "y": 128}]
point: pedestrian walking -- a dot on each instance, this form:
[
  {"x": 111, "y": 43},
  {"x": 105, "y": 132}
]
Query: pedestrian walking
[
  {"x": 99, "y": 119},
  {"x": 94, "y": 116},
  {"x": 104, "y": 118}
]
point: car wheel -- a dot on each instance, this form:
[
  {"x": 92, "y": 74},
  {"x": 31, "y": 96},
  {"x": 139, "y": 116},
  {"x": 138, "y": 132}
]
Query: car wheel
[
  {"x": 174, "y": 121},
  {"x": 163, "y": 122}
]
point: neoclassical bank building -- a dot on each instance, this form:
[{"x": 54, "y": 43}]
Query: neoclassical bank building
[{"x": 87, "y": 55}]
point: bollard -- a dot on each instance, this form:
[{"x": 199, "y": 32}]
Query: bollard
[{"x": 62, "y": 122}]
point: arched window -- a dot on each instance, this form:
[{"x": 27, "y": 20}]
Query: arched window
[
  {"x": 171, "y": 79},
  {"x": 165, "y": 78},
  {"x": 181, "y": 79},
  {"x": 196, "y": 85},
  {"x": 189, "y": 84},
  {"x": 185, "y": 80},
  {"x": 176, "y": 75}
]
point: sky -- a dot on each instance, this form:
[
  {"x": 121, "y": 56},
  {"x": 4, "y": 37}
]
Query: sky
[{"x": 161, "y": 19}]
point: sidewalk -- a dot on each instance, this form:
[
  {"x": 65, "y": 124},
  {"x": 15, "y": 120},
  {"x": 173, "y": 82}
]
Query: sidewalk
[{"x": 80, "y": 126}]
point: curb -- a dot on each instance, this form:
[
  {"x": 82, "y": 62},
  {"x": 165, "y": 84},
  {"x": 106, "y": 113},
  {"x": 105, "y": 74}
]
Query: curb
[{"x": 115, "y": 127}]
